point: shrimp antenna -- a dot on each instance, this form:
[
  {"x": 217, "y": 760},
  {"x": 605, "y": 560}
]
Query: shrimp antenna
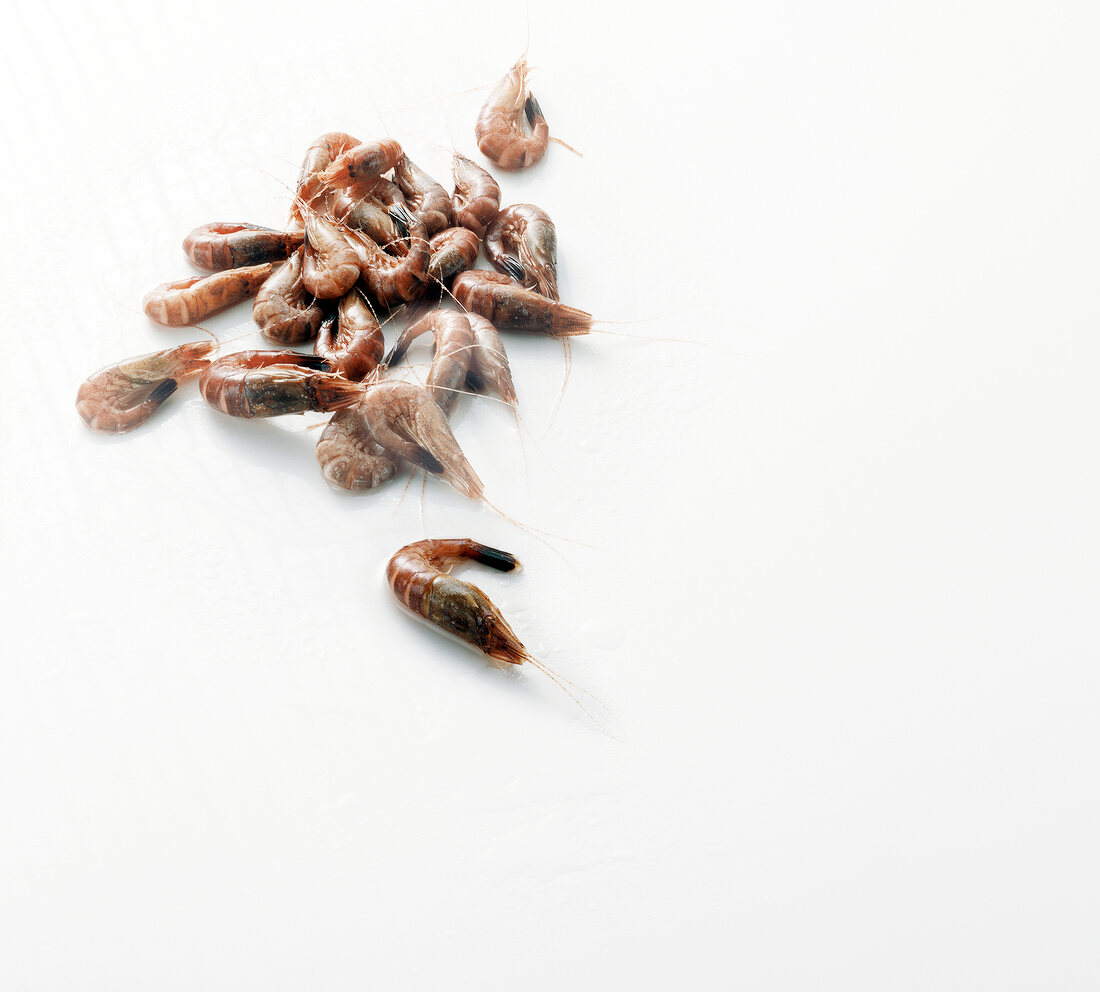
[{"x": 563, "y": 683}]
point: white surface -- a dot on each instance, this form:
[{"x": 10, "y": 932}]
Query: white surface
[{"x": 838, "y": 571}]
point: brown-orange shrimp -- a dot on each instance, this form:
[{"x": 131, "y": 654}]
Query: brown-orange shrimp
[
  {"x": 511, "y": 307},
  {"x": 124, "y": 395},
  {"x": 453, "y": 250},
  {"x": 523, "y": 243},
  {"x": 454, "y": 346},
  {"x": 286, "y": 312},
  {"x": 274, "y": 383},
  {"x": 407, "y": 422},
  {"x": 188, "y": 301},
  {"x": 425, "y": 198},
  {"x": 319, "y": 156},
  {"x": 375, "y": 220},
  {"x": 477, "y": 196},
  {"x": 357, "y": 168},
  {"x": 393, "y": 280},
  {"x": 500, "y": 129},
  {"x": 418, "y": 575},
  {"x": 489, "y": 361},
  {"x": 349, "y": 455},
  {"x": 357, "y": 347},
  {"x": 228, "y": 245},
  {"x": 333, "y": 256}
]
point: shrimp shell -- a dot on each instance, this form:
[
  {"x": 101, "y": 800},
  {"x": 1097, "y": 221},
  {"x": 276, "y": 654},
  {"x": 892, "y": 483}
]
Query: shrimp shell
[
  {"x": 419, "y": 579},
  {"x": 228, "y": 245},
  {"x": 286, "y": 312},
  {"x": 358, "y": 345},
  {"x": 454, "y": 346},
  {"x": 511, "y": 307},
  {"x": 357, "y": 168},
  {"x": 349, "y": 456},
  {"x": 188, "y": 301},
  {"x": 499, "y": 128},
  {"x": 273, "y": 383},
  {"x": 319, "y": 156},
  {"x": 526, "y": 231},
  {"x": 489, "y": 361},
  {"x": 406, "y": 421},
  {"x": 452, "y": 251},
  {"x": 476, "y": 197},
  {"x": 426, "y": 199},
  {"x": 124, "y": 395},
  {"x": 332, "y": 257}
]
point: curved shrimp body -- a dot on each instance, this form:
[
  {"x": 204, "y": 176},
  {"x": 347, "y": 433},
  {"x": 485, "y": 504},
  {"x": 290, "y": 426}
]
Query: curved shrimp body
[
  {"x": 453, "y": 250},
  {"x": 476, "y": 198},
  {"x": 489, "y": 361},
  {"x": 188, "y": 301},
  {"x": 319, "y": 156},
  {"x": 426, "y": 199},
  {"x": 285, "y": 310},
  {"x": 523, "y": 243},
  {"x": 406, "y": 421},
  {"x": 395, "y": 279},
  {"x": 358, "y": 168},
  {"x": 499, "y": 129},
  {"x": 332, "y": 257},
  {"x": 349, "y": 456},
  {"x": 273, "y": 383},
  {"x": 368, "y": 215},
  {"x": 511, "y": 307},
  {"x": 124, "y": 395},
  {"x": 417, "y": 576},
  {"x": 356, "y": 349},
  {"x": 225, "y": 245},
  {"x": 454, "y": 346}
]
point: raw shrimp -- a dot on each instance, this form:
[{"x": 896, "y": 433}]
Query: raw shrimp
[
  {"x": 511, "y": 307},
  {"x": 499, "y": 130},
  {"x": 452, "y": 251},
  {"x": 489, "y": 361},
  {"x": 357, "y": 347},
  {"x": 273, "y": 383},
  {"x": 366, "y": 214},
  {"x": 454, "y": 345},
  {"x": 357, "y": 168},
  {"x": 319, "y": 156},
  {"x": 349, "y": 456},
  {"x": 426, "y": 199},
  {"x": 393, "y": 280},
  {"x": 285, "y": 310},
  {"x": 406, "y": 421},
  {"x": 332, "y": 256},
  {"x": 526, "y": 231},
  {"x": 477, "y": 196},
  {"x": 124, "y": 395},
  {"x": 188, "y": 301},
  {"x": 225, "y": 245},
  {"x": 417, "y": 576}
]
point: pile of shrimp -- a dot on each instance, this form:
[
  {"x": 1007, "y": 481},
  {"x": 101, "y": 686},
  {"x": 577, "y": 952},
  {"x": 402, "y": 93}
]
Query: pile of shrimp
[{"x": 372, "y": 240}]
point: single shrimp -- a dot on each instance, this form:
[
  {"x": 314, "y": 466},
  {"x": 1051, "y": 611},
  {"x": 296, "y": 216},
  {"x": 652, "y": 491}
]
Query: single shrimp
[
  {"x": 124, "y": 395},
  {"x": 453, "y": 250},
  {"x": 407, "y": 422},
  {"x": 418, "y": 575},
  {"x": 378, "y": 223},
  {"x": 319, "y": 156},
  {"x": 225, "y": 245},
  {"x": 391, "y": 279},
  {"x": 273, "y": 383},
  {"x": 349, "y": 455},
  {"x": 489, "y": 361},
  {"x": 526, "y": 231},
  {"x": 426, "y": 199},
  {"x": 477, "y": 196},
  {"x": 333, "y": 256},
  {"x": 499, "y": 129},
  {"x": 511, "y": 307},
  {"x": 286, "y": 312},
  {"x": 357, "y": 168},
  {"x": 357, "y": 347},
  {"x": 188, "y": 301},
  {"x": 454, "y": 345}
]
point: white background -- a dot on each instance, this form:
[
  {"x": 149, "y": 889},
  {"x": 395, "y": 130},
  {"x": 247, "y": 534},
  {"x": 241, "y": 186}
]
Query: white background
[{"x": 832, "y": 565}]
